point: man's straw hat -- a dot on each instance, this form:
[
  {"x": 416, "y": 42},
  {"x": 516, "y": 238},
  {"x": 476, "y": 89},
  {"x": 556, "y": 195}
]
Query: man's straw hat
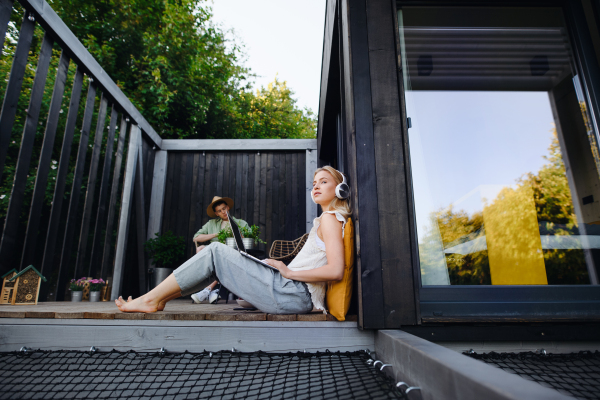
[{"x": 209, "y": 209}]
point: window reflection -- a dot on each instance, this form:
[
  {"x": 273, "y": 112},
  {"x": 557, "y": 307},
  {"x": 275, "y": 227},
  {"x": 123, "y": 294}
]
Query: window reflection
[{"x": 504, "y": 157}]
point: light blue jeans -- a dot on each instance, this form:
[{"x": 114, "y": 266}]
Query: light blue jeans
[{"x": 263, "y": 287}]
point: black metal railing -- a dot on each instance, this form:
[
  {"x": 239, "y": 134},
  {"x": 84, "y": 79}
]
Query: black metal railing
[{"x": 96, "y": 179}]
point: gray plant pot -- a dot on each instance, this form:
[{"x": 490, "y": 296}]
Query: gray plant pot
[
  {"x": 159, "y": 275},
  {"x": 248, "y": 243},
  {"x": 76, "y": 295},
  {"x": 95, "y": 296},
  {"x": 231, "y": 243}
]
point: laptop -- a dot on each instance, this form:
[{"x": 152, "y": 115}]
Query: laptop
[{"x": 240, "y": 245}]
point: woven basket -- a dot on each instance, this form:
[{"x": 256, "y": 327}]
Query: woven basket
[{"x": 285, "y": 250}]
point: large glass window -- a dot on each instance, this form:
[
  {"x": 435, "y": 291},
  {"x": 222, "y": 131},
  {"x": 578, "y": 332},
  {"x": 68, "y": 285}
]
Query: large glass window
[{"x": 504, "y": 156}]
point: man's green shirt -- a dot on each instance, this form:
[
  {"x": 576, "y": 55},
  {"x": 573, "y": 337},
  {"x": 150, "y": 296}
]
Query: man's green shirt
[{"x": 214, "y": 226}]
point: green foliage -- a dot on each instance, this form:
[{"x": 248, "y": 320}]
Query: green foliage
[
  {"x": 252, "y": 232},
  {"x": 172, "y": 62},
  {"x": 224, "y": 234},
  {"x": 182, "y": 73},
  {"x": 457, "y": 227},
  {"x": 554, "y": 206},
  {"x": 165, "y": 249}
]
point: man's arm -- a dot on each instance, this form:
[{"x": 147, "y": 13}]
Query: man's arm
[{"x": 203, "y": 236}]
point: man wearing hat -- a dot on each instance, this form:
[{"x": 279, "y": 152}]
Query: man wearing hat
[{"x": 217, "y": 210}]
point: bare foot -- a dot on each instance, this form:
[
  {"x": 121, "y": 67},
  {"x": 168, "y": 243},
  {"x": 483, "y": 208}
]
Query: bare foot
[
  {"x": 141, "y": 304},
  {"x": 161, "y": 304}
]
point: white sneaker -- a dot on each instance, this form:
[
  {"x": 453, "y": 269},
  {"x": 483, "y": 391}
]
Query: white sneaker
[
  {"x": 214, "y": 296},
  {"x": 201, "y": 295}
]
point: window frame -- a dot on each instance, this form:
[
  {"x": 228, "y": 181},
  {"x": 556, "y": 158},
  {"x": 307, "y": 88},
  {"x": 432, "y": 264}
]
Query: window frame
[{"x": 523, "y": 303}]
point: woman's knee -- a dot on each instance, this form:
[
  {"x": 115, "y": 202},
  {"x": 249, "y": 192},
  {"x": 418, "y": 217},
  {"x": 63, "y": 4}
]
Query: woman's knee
[{"x": 200, "y": 248}]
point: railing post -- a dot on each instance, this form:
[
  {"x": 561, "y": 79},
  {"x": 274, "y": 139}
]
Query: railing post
[
  {"x": 61, "y": 176},
  {"x": 41, "y": 179},
  {"x": 13, "y": 88},
  {"x": 125, "y": 215},
  {"x": 11, "y": 224},
  {"x": 5, "y": 11},
  {"x": 65, "y": 257},
  {"x": 112, "y": 204},
  {"x": 95, "y": 258},
  {"x": 311, "y": 207},
  {"x": 91, "y": 186},
  {"x": 157, "y": 197},
  {"x": 140, "y": 218}
]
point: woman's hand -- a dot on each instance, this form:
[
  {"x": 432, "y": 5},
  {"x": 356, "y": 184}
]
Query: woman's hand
[{"x": 283, "y": 269}]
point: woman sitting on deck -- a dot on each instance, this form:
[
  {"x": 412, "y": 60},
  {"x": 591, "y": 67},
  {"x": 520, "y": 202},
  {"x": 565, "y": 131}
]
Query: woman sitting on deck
[{"x": 295, "y": 289}]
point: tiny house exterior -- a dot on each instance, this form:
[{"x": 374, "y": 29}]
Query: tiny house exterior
[{"x": 469, "y": 132}]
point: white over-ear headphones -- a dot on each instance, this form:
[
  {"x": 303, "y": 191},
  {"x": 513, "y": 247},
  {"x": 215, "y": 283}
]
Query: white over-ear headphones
[{"x": 342, "y": 190}]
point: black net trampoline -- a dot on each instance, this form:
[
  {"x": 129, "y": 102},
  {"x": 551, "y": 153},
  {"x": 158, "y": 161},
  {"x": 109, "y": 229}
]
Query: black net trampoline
[
  {"x": 575, "y": 374},
  {"x": 220, "y": 375}
]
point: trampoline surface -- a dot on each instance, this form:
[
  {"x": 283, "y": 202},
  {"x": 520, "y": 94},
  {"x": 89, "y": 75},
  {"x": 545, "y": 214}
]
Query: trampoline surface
[{"x": 220, "y": 375}]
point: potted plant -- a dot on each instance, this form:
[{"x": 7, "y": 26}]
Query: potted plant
[
  {"x": 76, "y": 288},
  {"x": 251, "y": 236},
  {"x": 95, "y": 288},
  {"x": 165, "y": 251},
  {"x": 225, "y": 236}
]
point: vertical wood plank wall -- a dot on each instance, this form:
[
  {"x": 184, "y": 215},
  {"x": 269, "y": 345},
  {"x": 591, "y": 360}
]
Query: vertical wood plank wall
[{"x": 265, "y": 186}]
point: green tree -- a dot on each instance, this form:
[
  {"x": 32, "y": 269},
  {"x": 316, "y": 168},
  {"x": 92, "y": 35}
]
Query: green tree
[
  {"x": 172, "y": 62},
  {"x": 178, "y": 68},
  {"x": 556, "y": 214}
]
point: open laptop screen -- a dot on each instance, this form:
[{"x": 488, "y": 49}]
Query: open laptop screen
[{"x": 236, "y": 233}]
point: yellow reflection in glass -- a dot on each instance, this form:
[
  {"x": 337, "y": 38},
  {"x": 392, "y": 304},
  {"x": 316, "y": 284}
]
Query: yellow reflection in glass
[{"x": 513, "y": 239}]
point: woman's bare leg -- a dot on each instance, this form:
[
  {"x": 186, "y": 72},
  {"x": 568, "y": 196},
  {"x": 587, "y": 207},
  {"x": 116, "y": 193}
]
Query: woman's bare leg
[
  {"x": 199, "y": 248},
  {"x": 163, "y": 303},
  {"x": 212, "y": 285},
  {"x": 150, "y": 302}
]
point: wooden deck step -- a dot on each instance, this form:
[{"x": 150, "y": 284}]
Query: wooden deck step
[{"x": 179, "y": 310}]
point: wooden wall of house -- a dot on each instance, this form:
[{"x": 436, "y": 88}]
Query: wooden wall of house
[{"x": 267, "y": 189}]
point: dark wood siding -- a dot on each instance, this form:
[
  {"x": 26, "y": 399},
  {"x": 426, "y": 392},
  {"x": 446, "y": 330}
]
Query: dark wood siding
[
  {"x": 394, "y": 229},
  {"x": 261, "y": 185}
]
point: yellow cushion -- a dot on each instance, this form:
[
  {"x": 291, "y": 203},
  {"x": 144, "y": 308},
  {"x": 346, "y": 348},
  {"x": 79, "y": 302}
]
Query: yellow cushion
[{"x": 339, "y": 293}]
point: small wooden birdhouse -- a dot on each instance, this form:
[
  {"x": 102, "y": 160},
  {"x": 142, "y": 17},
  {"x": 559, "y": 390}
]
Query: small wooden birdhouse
[
  {"x": 26, "y": 286},
  {"x": 8, "y": 288}
]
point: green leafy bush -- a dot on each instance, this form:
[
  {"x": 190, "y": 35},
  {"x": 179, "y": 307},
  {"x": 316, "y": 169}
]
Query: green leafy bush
[{"x": 165, "y": 249}]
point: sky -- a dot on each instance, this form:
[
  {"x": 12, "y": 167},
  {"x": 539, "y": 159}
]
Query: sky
[{"x": 281, "y": 37}]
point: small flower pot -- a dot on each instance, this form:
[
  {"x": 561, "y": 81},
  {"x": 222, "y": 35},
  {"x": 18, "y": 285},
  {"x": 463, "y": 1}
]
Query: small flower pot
[
  {"x": 76, "y": 295},
  {"x": 231, "y": 243},
  {"x": 94, "y": 296},
  {"x": 248, "y": 243}
]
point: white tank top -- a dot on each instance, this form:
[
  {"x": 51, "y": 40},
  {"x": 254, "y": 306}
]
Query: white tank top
[{"x": 313, "y": 256}]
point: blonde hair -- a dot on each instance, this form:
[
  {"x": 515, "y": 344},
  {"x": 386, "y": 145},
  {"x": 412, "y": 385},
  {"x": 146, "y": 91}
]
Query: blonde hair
[{"x": 340, "y": 205}]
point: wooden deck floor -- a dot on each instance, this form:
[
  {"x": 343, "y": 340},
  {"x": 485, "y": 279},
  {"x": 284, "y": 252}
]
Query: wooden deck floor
[
  {"x": 182, "y": 326},
  {"x": 182, "y": 310}
]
